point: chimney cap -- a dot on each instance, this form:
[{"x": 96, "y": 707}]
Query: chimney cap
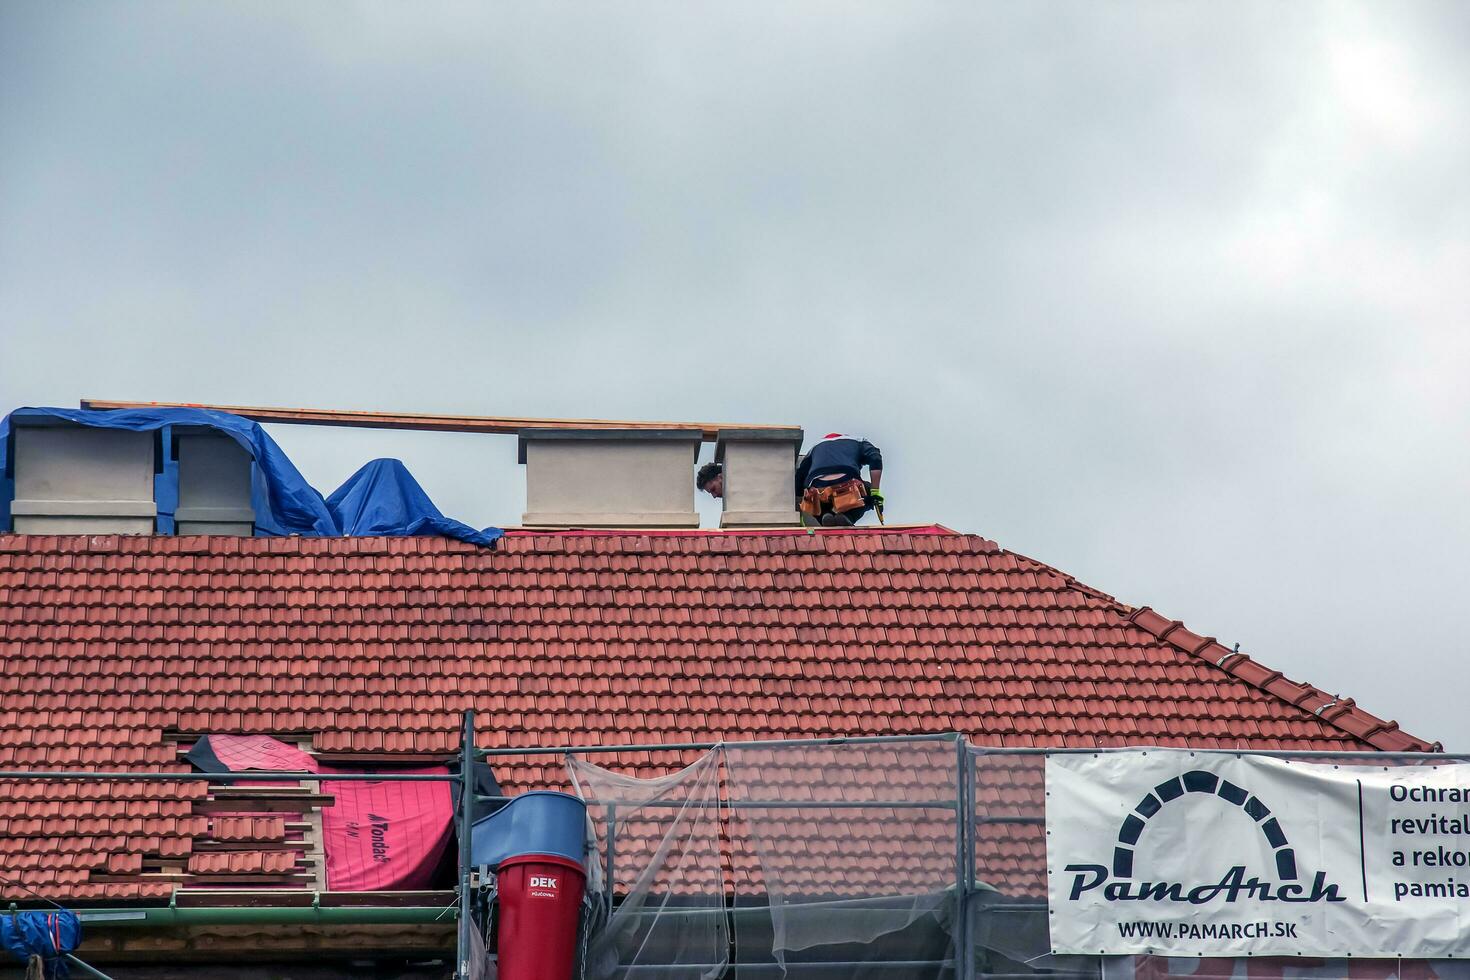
[
  {"x": 524, "y": 436},
  {"x": 36, "y": 418},
  {"x": 726, "y": 436}
]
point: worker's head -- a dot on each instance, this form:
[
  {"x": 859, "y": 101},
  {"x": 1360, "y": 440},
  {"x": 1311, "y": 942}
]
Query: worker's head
[{"x": 711, "y": 479}]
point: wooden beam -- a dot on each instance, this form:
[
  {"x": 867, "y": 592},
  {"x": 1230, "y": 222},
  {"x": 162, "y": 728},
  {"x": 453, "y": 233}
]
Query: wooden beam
[
  {"x": 405, "y": 759},
  {"x": 301, "y": 879},
  {"x": 493, "y": 424},
  {"x": 248, "y": 790},
  {"x": 262, "y": 804},
  {"x": 213, "y": 944},
  {"x": 316, "y": 841}
]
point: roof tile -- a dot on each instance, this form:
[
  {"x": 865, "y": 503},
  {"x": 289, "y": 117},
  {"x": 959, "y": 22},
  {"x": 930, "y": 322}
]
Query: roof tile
[{"x": 368, "y": 645}]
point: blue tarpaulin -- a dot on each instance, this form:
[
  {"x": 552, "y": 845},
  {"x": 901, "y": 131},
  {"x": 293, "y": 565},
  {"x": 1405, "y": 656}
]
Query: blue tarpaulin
[
  {"x": 383, "y": 498},
  {"x": 283, "y": 501},
  {"x": 43, "y": 934}
]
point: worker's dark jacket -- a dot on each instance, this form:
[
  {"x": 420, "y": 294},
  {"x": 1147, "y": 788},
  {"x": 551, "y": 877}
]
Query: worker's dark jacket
[{"x": 837, "y": 456}]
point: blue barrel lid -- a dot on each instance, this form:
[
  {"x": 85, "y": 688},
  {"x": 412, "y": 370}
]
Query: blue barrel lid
[{"x": 538, "y": 822}]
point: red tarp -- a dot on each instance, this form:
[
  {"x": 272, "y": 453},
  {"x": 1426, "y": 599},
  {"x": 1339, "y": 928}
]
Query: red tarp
[{"x": 379, "y": 836}]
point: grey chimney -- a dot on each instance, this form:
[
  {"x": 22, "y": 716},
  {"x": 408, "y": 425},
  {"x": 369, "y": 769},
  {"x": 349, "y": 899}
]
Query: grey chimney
[
  {"x": 609, "y": 477},
  {"x": 214, "y": 484},
  {"x": 760, "y": 476},
  {"x": 71, "y": 479}
]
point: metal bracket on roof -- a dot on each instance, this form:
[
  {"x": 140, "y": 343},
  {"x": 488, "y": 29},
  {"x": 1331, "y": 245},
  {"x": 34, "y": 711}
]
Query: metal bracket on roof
[
  {"x": 1324, "y": 707},
  {"x": 112, "y": 915},
  {"x": 85, "y": 967}
]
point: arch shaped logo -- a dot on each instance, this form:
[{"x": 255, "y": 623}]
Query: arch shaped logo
[{"x": 1125, "y": 886}]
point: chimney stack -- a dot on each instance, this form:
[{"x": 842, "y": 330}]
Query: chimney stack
[
  {"x": 609, "y": 477},
  {"x": 760, "y": 476},
  {"x": 214, "y": 484},
  {"x": 70, "y": 479}
]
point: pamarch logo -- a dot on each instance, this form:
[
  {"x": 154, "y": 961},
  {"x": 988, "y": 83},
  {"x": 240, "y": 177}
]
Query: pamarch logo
[{"x": 1232, "y": 887}]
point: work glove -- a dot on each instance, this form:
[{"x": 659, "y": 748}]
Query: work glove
[{"x": 875, "y": 497}]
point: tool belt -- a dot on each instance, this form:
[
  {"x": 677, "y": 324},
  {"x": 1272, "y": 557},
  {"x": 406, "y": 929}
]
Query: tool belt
[{"x": 835, "y": 497}]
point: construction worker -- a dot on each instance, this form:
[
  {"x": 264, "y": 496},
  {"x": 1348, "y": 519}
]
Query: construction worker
[
  {"x": 830, "y": 489},
  {"x": 711, "y": 479}
]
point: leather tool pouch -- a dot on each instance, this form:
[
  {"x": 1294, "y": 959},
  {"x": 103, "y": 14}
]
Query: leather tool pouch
[
  {"x": 839, "y": 497},
  {"x": 851, "y": 495}
]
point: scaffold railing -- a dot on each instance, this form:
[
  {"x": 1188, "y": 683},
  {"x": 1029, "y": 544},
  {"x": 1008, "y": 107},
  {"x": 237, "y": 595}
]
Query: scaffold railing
[{"x": 907, "y": 856}]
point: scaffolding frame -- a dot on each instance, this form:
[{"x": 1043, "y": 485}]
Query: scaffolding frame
[
  {"x": 315, "y": 913},
  {"x": 967, "y": 822}
]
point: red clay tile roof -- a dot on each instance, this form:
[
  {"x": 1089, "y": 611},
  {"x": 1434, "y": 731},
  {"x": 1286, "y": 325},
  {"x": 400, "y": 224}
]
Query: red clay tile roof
[
  {"x": 252, "y": 829},
  {"x": 113, "y": 650}
]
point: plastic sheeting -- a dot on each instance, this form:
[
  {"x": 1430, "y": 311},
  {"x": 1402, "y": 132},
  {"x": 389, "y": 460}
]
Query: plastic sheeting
[
  {"x": 1279, "y": 968},
  {"x": 380, "y": 499},
  {"x": 827, "y": 860},
  {"x": 856, "y": 857},
  {"x": 663, "y": 840},
  {"x": 843, "y": 860},
  {"x": 378, "y": 836},
  {"x": 383, "y": 499},
  {"x": 44, "y": 934},
  {"x": 1015, "y": 939},
  {"x": 284, "y": 502}
]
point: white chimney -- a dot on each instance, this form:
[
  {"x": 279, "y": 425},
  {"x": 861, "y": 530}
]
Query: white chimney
[
  {"x": 609, "y": 477},
  {"x": 760, "y": 476},
  {"x": 71, "y": 479}
]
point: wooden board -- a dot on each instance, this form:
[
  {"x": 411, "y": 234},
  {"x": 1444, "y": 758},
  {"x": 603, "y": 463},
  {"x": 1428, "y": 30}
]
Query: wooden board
[
  {"x": 306, "y": 879},
  {"x": 261, "y": 942},
  {"x": 263, "y": 804},
  {"x": 315, "y": 839},
  {"x": 494, "y": 424}
]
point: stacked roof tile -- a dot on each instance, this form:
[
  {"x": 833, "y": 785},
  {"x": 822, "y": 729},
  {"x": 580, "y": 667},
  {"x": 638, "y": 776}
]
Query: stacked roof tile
[{"x": 115, "y": 651}]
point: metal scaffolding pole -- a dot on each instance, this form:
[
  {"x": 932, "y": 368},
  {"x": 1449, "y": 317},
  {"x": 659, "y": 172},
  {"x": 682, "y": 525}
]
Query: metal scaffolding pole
[
  {"x": 759, "y": 743},
  {"x": 466, "y": 821},
  {"x": 1368, "y": 757},
  {"x": 85, "y": 967},
  {"x": 171, "y": 917},
  {"x": 969, "y": 899},
  {"x": 965, "y": 961}
]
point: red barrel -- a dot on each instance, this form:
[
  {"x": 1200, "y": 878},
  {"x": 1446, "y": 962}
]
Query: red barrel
[{"x": 540, "y": 898}]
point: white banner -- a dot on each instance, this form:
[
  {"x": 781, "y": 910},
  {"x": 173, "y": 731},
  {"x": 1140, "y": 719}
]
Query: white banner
[{"x": 1178, "y": 853}]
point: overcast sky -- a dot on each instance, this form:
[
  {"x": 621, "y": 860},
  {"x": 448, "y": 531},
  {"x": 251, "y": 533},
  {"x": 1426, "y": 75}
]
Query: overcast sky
[{"x": 1172, "y": 296}]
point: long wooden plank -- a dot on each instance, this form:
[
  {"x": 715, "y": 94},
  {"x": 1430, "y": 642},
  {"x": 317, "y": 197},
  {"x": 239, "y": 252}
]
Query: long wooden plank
[
  {"x": 197, "y": 947},
  {"x": 306, "y": 880},
  {"x": 262, "y": 804},
  {"x": 492, "y": 424}
]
